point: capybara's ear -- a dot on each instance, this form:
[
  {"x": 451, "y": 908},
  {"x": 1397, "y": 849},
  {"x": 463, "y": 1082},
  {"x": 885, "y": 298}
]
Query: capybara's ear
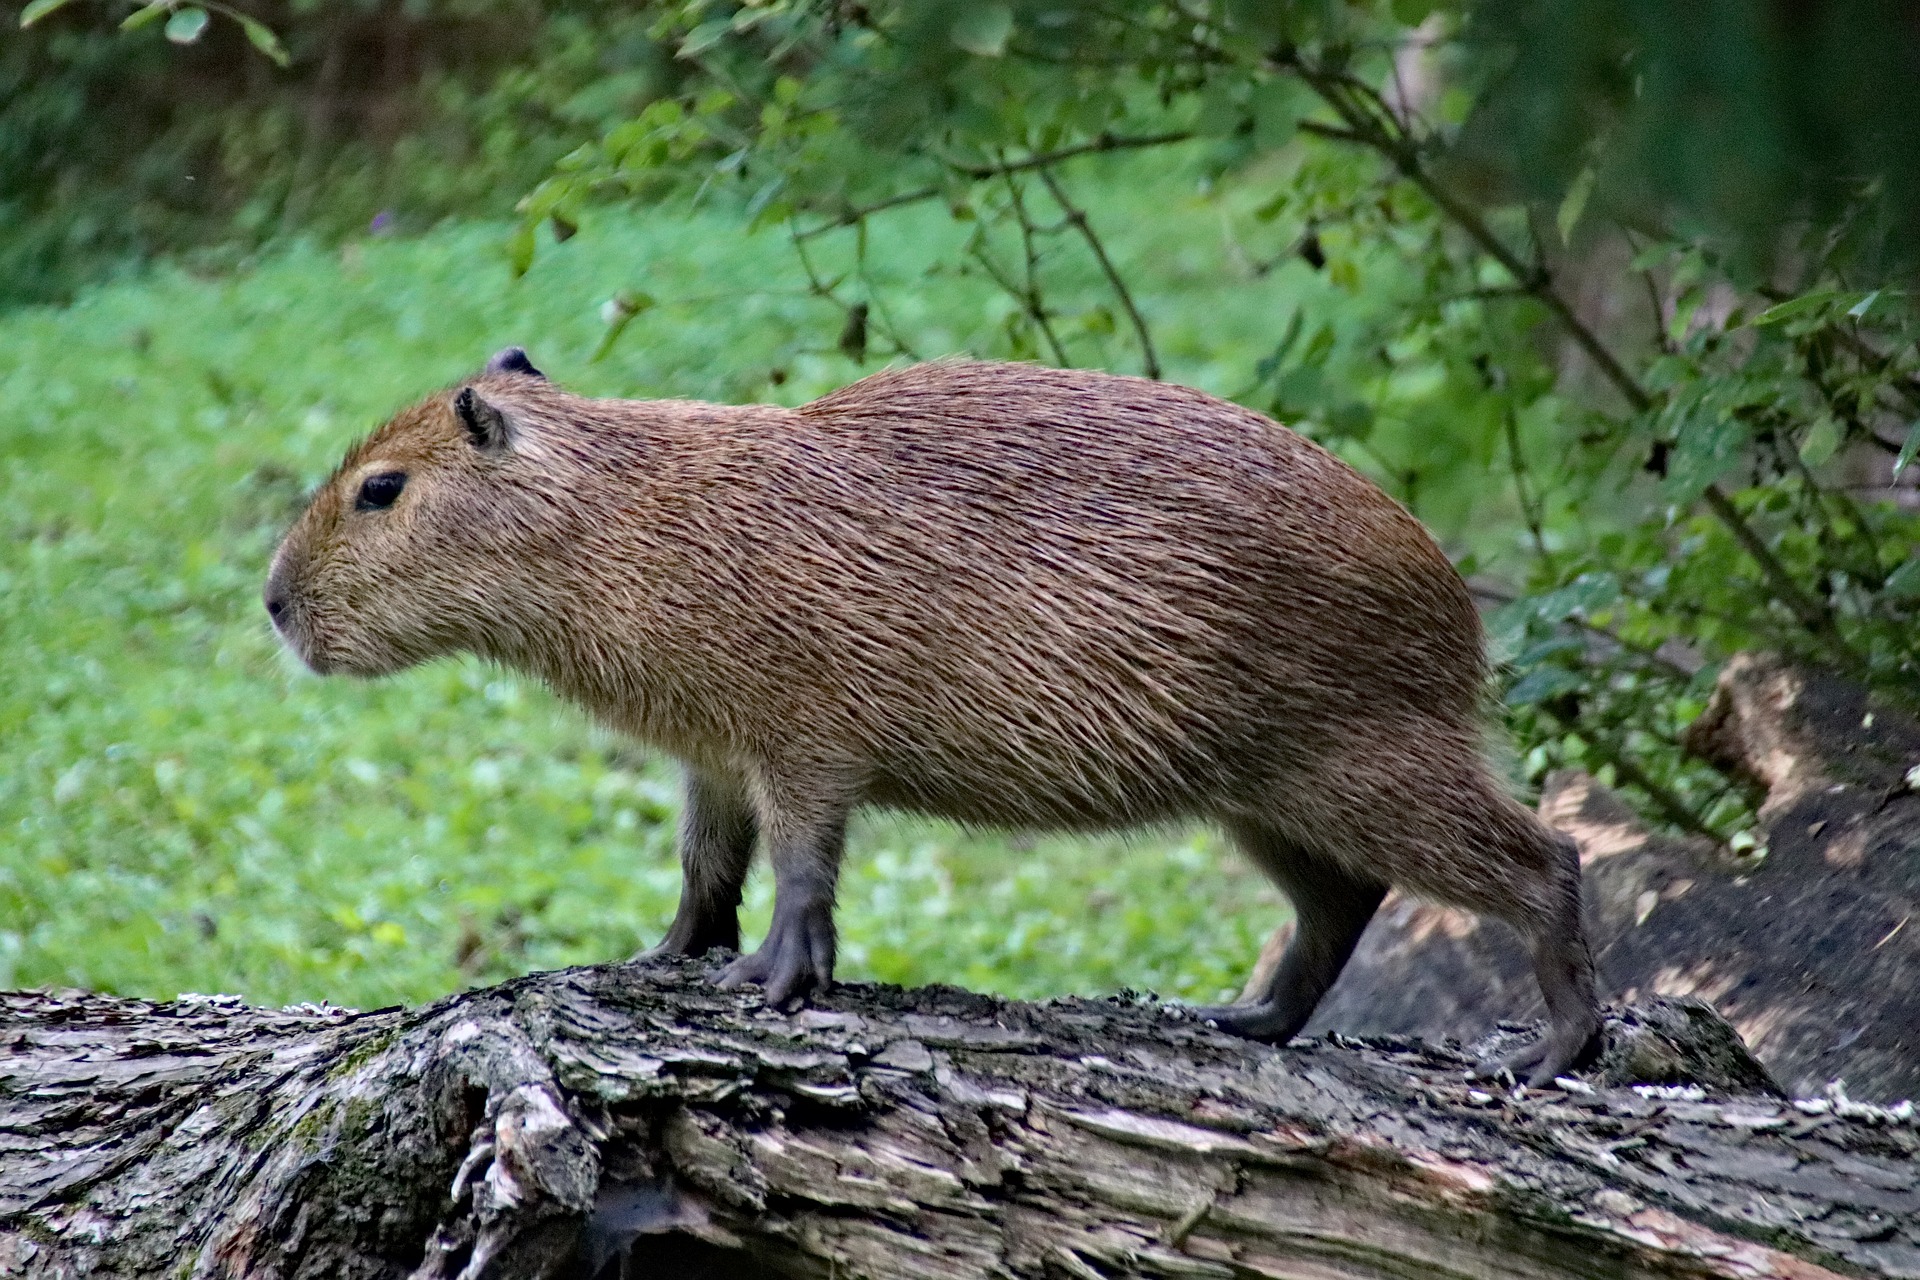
[
  {"x": 487, "y": 427},
  {"x": 513, "y": 360}
]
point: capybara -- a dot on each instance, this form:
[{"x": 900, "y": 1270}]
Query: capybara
[{"x": 998, "y": 593}]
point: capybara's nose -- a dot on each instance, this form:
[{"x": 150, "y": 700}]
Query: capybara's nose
[{"x": 276, "y": 603}]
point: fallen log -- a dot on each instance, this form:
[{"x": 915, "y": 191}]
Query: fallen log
[
  {"x": 631, "y": 1120},
  {"x": 1811, "y": 951}
]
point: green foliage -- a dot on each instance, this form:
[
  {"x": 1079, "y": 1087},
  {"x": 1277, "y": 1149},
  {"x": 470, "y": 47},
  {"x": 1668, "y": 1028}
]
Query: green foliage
[
  {"x": 177, "y": 132},
  {"x": 185, "y": 809},
  {"x": 1736, "y": 118}
]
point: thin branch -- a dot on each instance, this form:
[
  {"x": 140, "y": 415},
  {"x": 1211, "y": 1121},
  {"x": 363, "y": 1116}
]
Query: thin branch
[
  {"x": 1030, "y": 295},
  {"x": 1102, "y": 143},
  {"x": 1529, "y": 506},
  {"x": 819, "y": 288},
  {"x": 1661, "y": 338},
  {"x": 1333, "y": 132},
  {"x": 860, "y": 213},
  {"x": 1149, "y": 359},
  {"x": 1813, "y": 615},
  {"x": 979, "y": 173}
]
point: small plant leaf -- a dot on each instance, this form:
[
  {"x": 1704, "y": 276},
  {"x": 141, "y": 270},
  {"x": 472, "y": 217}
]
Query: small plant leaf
[
  {"x": 145, "y": 16},
  {"x": 1907, "y": 450},
  {"x": 1904, "y": 583},
  {"x": 704, "y": 37},
  {"x": 261, "y": 36},
  {"x": 1822, "y": 441},
  {"x": 617, "y": 313},
  {"x": 1807, "y": 302},
  {"x": 520, "y": 250},
  {"x": 983, "y": 29},
  {"x": 38, "y": 10},
  {"x": 1574, "y": 204},
  {"x": 186, "y": 25}
]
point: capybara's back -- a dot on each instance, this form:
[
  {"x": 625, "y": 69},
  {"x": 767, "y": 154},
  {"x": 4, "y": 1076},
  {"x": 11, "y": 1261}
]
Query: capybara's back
[
  {"x": 1003, "y": 594},
  {"x": 1054, "y": 597}
]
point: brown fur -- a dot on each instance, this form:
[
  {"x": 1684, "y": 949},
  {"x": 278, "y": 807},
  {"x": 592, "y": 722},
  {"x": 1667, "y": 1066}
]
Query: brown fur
[{"x": 1002, "y": 594}]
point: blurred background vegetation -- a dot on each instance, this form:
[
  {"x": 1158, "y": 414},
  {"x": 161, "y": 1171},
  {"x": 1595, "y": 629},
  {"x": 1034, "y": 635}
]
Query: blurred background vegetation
[{"x": 1617, "y": 297}]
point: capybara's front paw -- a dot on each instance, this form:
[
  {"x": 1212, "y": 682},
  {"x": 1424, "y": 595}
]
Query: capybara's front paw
[
  {"x": 1270, "y": 1022},
  {"x": 795, "y": 958},
  {"x": 696, "y": 934}
]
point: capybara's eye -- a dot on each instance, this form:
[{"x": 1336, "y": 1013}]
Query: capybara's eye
[{"x": 380, "y": 491}]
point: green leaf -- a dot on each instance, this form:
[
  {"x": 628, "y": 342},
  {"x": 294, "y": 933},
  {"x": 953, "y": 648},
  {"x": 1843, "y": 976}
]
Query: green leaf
[
  {"x": 520, "y": 250},
  {"x": 186, "y": 25},
  {"x": 1573, "y": 204},
  {"x": 1412, "y": 13},
  {"x": 142, "y": 17},
  {"x": 983, "y": 29},
  {"x": 1822, "y": 441},
  {"x": 704, "y": 37},
  {"x": 1541, "y": 684},
  {"x": 1587, "y": 594},
  {"x": 618, "y": 313},
  {"x": 1707, "y": 445},
  {"x": 1652, "y": 256},
  {"x": 1805, "y": 303},
  {"x": 38, "y": 10},
  {"x": 1861, "y": 307},
  {"x": 1904, "y": 583},
  {"x": 261, "y": 36},
  {"x": 1278, "y": 106},
  {"x": 1907, "y": 450}
]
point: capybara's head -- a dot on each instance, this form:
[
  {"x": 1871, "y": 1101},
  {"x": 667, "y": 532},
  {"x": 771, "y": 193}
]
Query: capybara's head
[{"x": 414, "y": 546}]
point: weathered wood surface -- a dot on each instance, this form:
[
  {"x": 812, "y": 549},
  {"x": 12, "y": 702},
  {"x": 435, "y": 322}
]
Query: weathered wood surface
[
  {"x": 634, "y": 1120},
  {"x": 1812, "y": 952}
]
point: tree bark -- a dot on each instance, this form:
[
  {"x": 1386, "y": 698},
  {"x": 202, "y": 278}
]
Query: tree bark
[{"x": 632, "y": 1120}]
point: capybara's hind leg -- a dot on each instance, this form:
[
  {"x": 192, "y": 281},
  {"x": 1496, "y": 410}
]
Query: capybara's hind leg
[
  {"x": 1331, "y": 907},
  {"x": 1563, "y": 965}
]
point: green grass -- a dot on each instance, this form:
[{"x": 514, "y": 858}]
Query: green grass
[{"x": 183, "y": 808}]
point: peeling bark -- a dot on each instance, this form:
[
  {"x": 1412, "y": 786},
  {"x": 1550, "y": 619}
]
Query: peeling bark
[
  {"x": 633, "y": 1120},
  {"x": 1812, "y": 952}
]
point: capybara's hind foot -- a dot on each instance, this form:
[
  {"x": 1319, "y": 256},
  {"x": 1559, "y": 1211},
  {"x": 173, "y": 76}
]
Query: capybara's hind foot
[
  {"x": 1257, "y": 1020},
  {"x": 1563, "y": 1048}
]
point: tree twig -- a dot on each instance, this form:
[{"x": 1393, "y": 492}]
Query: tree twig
[
  {"x": 1104, "y": 142},
  {"x": 1150, "y": 361},
  {"x": 1529, "y": 506},
  {"x": 1030, "y": 295},
  {"x": 860, "y": 213}
]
